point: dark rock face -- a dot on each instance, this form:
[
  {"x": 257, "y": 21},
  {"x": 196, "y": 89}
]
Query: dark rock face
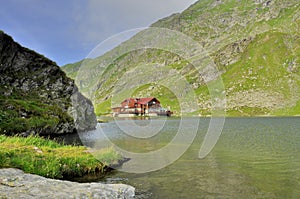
[{"x": 32, "y": 87}]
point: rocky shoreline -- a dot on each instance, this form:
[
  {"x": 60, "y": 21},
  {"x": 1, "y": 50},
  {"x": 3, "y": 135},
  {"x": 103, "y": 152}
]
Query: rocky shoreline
[{"x": 16, "y": 184}]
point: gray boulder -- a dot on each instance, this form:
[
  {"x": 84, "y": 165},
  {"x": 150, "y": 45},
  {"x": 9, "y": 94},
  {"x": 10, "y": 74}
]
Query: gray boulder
[{"x": 15, "y": 184}]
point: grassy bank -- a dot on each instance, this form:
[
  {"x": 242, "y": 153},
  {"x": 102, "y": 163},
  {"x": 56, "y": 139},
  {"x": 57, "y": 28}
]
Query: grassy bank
[{"x": 49, "y": 159}]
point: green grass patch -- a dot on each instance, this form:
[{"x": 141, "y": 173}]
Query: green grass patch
[
  {"x": 72, "y": 69},
  {"x": 288, "y": 111},
  {"x": 50, "y": 159},
  {"x": 103, "y": 108},
  {"x": 17, "y": 116},
  {"x": 246, "y": 111}
]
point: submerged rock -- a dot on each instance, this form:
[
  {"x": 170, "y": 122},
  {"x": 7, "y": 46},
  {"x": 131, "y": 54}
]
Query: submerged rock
[{"x": 16, "y": 184}]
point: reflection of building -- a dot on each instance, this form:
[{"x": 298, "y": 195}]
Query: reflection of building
[{"x": 141, "y": 106}]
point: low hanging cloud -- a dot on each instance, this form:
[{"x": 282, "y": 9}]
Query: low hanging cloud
[{"x": 98, "y": 20}]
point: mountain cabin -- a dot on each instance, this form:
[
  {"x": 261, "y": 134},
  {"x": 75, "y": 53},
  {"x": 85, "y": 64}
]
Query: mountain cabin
[{"x": 141, "y": 107}]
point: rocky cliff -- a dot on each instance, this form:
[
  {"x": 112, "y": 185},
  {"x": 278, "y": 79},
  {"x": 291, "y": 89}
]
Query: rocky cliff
[{"x": 36, "y": 97}]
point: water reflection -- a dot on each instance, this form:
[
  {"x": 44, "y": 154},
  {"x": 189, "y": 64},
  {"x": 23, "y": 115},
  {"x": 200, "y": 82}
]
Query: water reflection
[{"x": 254, "y": 158}]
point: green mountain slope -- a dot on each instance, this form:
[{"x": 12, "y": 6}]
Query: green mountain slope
[{"x": 254, "y": 45}]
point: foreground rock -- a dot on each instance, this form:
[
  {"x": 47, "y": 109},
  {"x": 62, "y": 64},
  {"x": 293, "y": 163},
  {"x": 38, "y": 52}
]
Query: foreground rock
[{"x": 16, "y": 184}]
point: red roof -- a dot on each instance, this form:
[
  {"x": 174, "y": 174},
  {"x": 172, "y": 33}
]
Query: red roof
[
  {"x": 141, "y": 100},
  {"x": 145, "y": 100}
]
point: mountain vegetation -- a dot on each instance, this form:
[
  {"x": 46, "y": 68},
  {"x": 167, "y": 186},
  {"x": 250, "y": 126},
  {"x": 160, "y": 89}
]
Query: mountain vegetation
[{"x": 252, "y": 46}]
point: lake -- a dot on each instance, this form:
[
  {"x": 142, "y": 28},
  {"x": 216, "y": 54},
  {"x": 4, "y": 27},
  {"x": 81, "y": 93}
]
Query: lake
[{"x": 253, "y": 158}]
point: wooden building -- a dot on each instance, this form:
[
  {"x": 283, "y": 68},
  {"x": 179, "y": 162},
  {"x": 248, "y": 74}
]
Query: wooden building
[{"x": 140, "y": 106}]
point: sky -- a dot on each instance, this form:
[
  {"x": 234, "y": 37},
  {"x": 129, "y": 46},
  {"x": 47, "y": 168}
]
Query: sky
[{"x": 67, "y": 30}]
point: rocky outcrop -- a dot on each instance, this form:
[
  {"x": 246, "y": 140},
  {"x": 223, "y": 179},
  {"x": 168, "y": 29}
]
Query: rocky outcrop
[
  {"x": 82, "y": 112},
  {"x": 35, "y": 91},
  {"x": 16, "y": 184}
]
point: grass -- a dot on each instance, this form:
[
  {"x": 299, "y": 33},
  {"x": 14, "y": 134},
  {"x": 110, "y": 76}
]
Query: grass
[
  {"x": 264, "y": 66},
  {"x": 72, "y": 69},
  {"x": 21, "y": 112},
  {"x": 18, "y": 115},
  {"x": 289, "y": 111},
  {"x": 53, "y": 160},
  {"x": 103, "y": 108}
]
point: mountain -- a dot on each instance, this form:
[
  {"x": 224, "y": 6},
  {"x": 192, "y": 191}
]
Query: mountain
[
  {"x": 36, "y": 97},
  {"x": 243, "y": 55}
]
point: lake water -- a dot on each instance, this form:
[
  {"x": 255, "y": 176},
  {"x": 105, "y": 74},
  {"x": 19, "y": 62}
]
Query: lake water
[{"x": 253, "y": 158}]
